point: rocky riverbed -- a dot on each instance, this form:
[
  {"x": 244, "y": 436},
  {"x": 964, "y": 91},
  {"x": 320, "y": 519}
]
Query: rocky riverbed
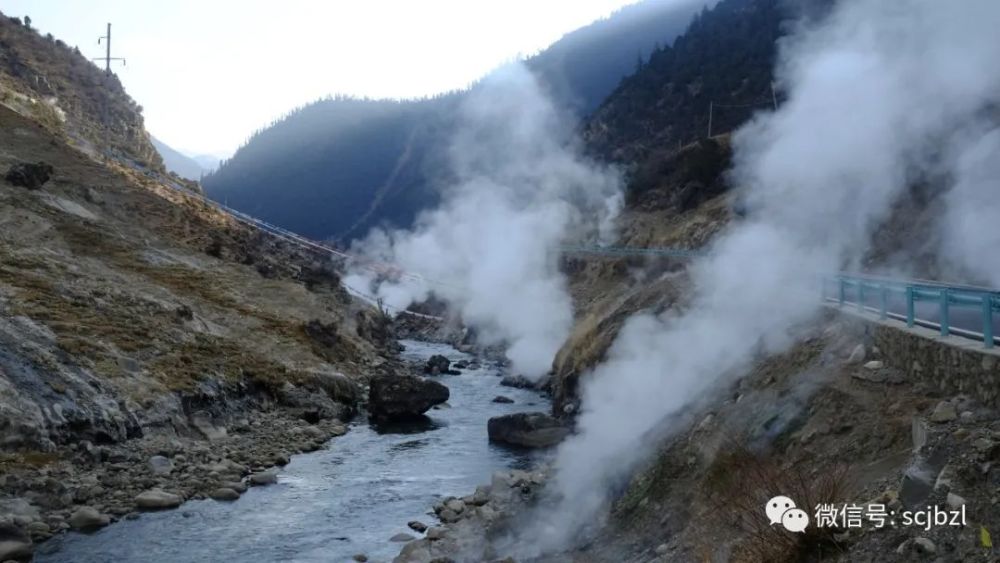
[
  {"x": 350, "y": 498},
  {"x": 88, "y": 487}
]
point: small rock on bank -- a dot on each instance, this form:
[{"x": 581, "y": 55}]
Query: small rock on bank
[
  {"x": 155, "y": 499},
  {"x": 267, "y": 477},
  {"x": 944, "y": 412},
  {"x": 526, "y": 429},
  {"x": 14, "y": 544},
  {"x": 224, "y": 494},
  {"x": 88, "y": 518}
]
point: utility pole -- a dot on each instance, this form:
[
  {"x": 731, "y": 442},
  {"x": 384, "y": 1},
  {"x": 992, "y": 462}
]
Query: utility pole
[{"x": 107, "y": 58}]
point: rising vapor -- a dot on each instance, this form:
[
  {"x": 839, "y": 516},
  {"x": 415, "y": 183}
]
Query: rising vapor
[
  {"x": 873, "y": 90},
  {"x": 493, "y": 245}
]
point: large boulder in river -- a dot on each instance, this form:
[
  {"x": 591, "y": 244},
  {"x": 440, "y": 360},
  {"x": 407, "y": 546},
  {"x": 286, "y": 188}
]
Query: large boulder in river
[
  {"x": 438, "y": 365},
  {"x": 399, "y": 397},
  {"x": 526, "y": 429}
]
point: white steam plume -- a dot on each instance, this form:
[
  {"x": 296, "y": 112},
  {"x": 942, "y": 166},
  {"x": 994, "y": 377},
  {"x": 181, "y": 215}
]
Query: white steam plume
[
  {"x": 972, "y": 223},
  {"x": 872, "y": 90},
  {"x": 522, "y": 188}
]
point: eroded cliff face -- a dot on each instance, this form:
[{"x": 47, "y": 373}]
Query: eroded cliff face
[{"x": 127, "y": 305}]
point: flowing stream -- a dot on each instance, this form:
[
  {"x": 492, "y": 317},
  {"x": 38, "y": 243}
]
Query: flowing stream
[{"x": 329, "y": 505}]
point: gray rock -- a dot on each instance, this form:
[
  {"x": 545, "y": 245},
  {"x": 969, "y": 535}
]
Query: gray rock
[
  {"x": 481, "y": 496},
  {"x": 360, "y": 558},
  {"x": 917, "y": 484},
  {"x": 160, "y": 465},
  {"x": 518, "y": 382},
  {"x": 417, "y": 526},
  {"x": 88, "y": 518},
  {"x": 924, "y": 545},
  {"x": 268, "y": 477},
  {"x": 455, "y": 505},
  {"x": 436, "y": 533},
  {"x": 398, "y": 397},
  {"x": 15, "y": 544},
  {"x": 944, "y": 412},
  {"x": 663, "y": 548},
  {"x": 874, "y": 364},
  {"x": 19, "y": 507},
  {"x": 437, "y": 365},
  {"x": 502, "y": 399},
  {"x": 209, "y": 430},
  {"x": 449, "y": 516},
  {"x": 155, "y": 499},
  {"x": 530, "y": 430},
  {"x": 38, "y": 528},
  {"x": 954, "y": 501},
  {"x": 238, "y": 486},
  {"x": 224, "y": 494},
  {"x": 402, "y": 537},
  {"x": 983, "y": 444}
]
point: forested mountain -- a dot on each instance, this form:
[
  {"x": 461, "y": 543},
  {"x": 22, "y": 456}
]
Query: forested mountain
[
  {"x": 585, "y": 65},
  {"x": 338, "y": 166},
  {"x": 177, "y": 162},
  {"x": 722, "y": 64}
]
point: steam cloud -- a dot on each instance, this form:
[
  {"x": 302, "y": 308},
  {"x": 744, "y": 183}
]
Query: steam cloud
[
  {"x": 522, "y": 189},
  {"x": 874, "y": 91}
]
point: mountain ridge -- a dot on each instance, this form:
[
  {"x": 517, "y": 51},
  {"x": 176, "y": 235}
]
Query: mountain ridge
[{"x": 306, "y": 190}]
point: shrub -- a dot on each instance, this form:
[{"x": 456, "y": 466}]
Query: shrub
[{"x": 739, "y": 483}]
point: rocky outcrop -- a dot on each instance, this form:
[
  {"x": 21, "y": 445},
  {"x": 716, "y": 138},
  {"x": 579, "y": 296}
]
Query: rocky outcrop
[
  {"x": 400, "y": 397},
  {"x": 322, "y": 396},
  {"x": 27, "y": 175},
  {"x": 527, "y": 429}
]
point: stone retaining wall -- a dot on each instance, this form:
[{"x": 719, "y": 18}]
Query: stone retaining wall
[{"x": 951, "y": 365}]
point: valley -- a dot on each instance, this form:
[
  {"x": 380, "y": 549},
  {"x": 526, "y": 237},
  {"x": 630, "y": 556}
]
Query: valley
[{"x": 588, "y": 309}]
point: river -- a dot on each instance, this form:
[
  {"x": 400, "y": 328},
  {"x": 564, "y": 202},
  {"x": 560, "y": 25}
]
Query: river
[{"x": 348, "y": 498}]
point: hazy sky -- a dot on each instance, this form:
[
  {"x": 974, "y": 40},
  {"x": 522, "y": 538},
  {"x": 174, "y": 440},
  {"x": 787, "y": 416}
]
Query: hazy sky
[{"x": 209, "y": 72}]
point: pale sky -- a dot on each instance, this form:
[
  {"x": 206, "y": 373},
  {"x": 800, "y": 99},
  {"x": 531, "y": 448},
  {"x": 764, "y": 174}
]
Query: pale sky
[{"x": 210, "y": 72}]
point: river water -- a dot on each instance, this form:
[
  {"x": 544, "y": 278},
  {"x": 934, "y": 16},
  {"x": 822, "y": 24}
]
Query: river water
[{"x": 329, "y": 505}]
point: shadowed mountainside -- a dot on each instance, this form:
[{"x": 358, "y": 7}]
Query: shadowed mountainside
[{"x": 338, "y": 166}]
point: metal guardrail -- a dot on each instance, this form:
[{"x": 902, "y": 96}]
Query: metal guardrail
[{"x": 965, "y": 311}]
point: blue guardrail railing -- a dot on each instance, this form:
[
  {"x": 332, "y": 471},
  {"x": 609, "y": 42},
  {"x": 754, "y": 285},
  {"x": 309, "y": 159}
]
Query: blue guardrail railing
[{"x": 965, "y": 311}]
